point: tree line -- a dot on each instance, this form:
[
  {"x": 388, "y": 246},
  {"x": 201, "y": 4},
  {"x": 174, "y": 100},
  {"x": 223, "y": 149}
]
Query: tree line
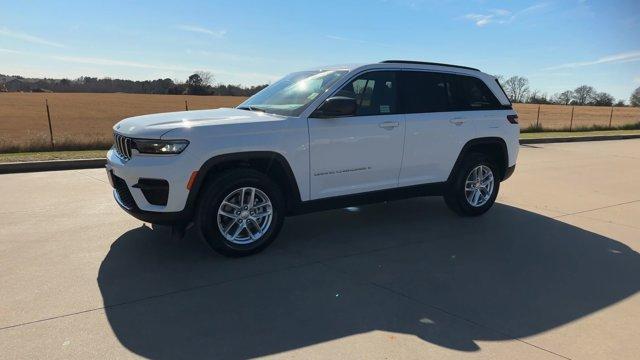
[
  {"x": 518, "y": 91},
  {"x": 199, "y": 83},
  {"x": 203, "y": 83}
]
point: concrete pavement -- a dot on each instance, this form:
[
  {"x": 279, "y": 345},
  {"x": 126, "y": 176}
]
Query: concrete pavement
[{"x": 552, "y": 271}]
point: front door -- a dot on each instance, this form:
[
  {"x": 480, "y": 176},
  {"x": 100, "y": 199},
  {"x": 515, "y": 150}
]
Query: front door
[{"x": 359, "y": 153}]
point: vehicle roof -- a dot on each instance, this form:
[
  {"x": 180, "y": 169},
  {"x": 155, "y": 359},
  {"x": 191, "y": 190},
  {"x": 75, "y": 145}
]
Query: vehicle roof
[
  {"x": 489, "y": 80},
  {"x": 405, "y": 64}
]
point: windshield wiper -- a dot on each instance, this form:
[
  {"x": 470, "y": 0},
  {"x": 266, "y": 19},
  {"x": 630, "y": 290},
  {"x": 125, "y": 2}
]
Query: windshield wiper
[{"x": 251, "y": 108}]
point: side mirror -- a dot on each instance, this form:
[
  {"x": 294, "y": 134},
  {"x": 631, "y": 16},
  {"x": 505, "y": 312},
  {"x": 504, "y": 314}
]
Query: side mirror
[{"x": 335, "y": 107}]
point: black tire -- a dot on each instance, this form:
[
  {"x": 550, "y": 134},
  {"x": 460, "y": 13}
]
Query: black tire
[
  {"x": 217, "y": 190},
  {"x": 455, "y": 194}
]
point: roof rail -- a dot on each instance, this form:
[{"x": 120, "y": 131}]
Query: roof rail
[{"x": 426, "y": 63}]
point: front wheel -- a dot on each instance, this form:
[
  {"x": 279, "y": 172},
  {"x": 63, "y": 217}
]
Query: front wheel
[
  {"x": 241, "y": 213},
  {"x": 474, "y": 187}
]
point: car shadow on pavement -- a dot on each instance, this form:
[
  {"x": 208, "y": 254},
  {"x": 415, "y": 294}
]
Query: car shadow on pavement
[{"x": 404, "y": 267}]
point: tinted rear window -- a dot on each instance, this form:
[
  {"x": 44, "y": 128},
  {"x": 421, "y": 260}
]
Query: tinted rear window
[
  {"x": 470, "y": 93},
  {"x": 424, "y": 92}
]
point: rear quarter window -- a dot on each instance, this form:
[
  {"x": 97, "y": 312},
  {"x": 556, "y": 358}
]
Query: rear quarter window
[{"x": 470, "y": 93}]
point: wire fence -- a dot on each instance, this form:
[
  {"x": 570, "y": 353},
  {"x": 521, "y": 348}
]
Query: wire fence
[
  {"x": 45, "y": 121},
  {"x": 570, "y": 118},
  {"x": 71, "y": 121}
]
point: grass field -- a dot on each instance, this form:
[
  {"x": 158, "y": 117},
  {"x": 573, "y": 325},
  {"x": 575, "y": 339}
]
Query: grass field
[
  {"x": 559, "y": 116},
  {"x": 564, "y": 134},
  {"x": 84, "y": 121}
]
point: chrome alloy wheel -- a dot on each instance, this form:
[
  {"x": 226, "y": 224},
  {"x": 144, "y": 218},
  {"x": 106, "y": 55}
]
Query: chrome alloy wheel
[
  {"x": 478, "y": 187},
  {"x": 245, "y": 215}
]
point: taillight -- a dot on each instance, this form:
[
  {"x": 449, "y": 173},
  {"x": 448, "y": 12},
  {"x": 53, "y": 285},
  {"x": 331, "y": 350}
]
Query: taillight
[{"x": 512, "y": 119}]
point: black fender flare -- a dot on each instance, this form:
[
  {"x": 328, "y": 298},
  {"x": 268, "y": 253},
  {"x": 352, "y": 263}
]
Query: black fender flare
[
  {"x": 503, "y": 165},
  {"x": 271, "y": 156}
]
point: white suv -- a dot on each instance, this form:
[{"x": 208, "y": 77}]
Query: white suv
[{"x": 318, "y": 139}]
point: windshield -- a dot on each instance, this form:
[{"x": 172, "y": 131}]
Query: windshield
[{"x": 290, "y": 95}]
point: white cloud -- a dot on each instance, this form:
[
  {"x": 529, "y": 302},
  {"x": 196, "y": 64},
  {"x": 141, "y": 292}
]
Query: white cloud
[
  {"x": 501, "y": 16},
  {"x": 10, "y": 51},
  {"x": 480, "y": 19},
  {"x": 610, "y": 59},
  {"x": 201, "y": 30},
  {"x": 28, "y": 38}
]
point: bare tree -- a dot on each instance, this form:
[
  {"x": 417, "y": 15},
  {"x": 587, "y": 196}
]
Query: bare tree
[
  {"x": 207, "y": 78},
  {"x": 517, "y": 88},
  {"x": 583, "y": 95},
  {"x": 537, "y": 97},
  {"x": 634, "y": 100},
  {"x": 563, "y": 98}
]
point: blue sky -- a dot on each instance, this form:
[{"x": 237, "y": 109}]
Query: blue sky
[{"x": 557, "y": 44}]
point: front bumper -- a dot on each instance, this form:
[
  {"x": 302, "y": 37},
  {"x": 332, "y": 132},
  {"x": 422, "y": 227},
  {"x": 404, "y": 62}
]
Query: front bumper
[
  {"x": 151, "y": 188},
  {"x": 125, "y": 200}
]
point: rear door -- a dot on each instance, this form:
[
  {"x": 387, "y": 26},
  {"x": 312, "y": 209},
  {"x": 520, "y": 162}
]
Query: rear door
[
  {"x": 439, "y": 121},
  {"x": 359, "y": 153}
]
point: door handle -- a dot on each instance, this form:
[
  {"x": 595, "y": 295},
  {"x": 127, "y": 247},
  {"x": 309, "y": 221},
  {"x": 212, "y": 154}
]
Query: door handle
[
  {"x": 457, "y": 121},
  {"x": 389, "y": 125}
]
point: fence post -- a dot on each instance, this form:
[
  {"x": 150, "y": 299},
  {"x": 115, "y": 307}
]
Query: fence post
[
  {"x": 610, "y": 117},
  {"x": 186, "y": 106},
  {"x": 571, "y": 123},
  {"x": 46, "y": 103},
  {"x": 538, "y": 117}
]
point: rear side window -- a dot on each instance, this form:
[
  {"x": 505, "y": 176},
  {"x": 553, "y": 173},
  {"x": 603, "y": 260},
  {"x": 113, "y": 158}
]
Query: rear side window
[
  {"x": 424, "y": 92},
  {"x": 375, "y": 93},
  {"x": 470, "y": 93}
]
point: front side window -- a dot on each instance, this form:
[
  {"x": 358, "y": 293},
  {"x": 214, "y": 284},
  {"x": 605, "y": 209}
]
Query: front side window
[
  {"x": 375, "y": 93},
  {"x": 290, "y": 95}
]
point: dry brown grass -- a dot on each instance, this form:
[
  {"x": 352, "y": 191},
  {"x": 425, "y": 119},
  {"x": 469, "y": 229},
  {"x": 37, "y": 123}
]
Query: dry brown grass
[
  {"x": 84, "y": 121},
  {"x": 559, "y": 116}
]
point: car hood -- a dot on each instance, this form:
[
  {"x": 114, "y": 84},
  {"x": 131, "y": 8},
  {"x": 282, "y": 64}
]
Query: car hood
[{"x": 155, "y": 125}]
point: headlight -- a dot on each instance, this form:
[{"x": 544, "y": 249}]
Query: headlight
[{"x": 160, "y": 146}]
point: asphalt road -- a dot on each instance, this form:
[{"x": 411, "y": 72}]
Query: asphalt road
[{"x": 551, "y": 271}]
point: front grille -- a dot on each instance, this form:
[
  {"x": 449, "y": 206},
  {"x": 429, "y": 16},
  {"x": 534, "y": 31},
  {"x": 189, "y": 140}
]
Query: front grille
[
  {"x": 122, "y": 144},
  {"x": 124, "y": 194}
]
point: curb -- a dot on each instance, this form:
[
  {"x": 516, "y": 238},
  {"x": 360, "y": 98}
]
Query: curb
[
  {"x": 52, "y": 165},
  {"x": 578, "y": 139}
]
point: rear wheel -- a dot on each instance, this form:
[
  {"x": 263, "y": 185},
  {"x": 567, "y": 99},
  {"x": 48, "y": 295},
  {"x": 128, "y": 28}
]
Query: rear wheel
[
  {"x": 474, "y": 187},
  {"x": 241, "y": 213}
]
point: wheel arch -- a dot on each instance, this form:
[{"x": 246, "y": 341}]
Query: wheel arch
[
  {"x": 271, "y": 163},
  {"x": 495, "y": 147}
]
